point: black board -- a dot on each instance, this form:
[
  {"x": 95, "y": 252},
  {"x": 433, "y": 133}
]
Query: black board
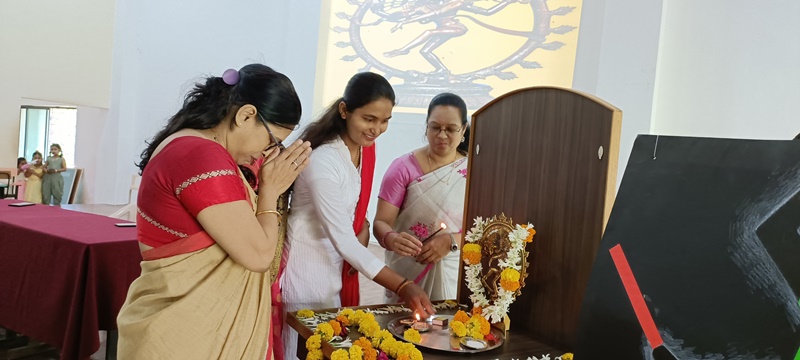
[{"x": 709, "y": 228}]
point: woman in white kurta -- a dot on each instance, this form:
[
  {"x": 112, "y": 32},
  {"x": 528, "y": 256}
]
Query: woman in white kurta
[{"x": 320, "y": 235}]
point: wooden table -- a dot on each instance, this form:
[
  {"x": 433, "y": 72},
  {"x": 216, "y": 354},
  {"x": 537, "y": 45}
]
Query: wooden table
[{"x": 517, "y": 344}]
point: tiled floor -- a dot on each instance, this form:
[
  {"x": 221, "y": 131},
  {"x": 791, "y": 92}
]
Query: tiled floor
[{"x": 371, "y": 293}]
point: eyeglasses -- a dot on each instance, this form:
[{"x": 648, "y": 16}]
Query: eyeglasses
[
  {"x": 448, "y": 130},
  {"x": 275, "y": 142}
]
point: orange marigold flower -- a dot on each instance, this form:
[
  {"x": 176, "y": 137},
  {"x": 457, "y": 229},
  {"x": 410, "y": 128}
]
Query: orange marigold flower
[
  {"x": 477, "y": 311},
  {"x": 509, "y": 285},
  {"x": 370, "y": 354},
  {"x": 343, "y": 320},
  {"x": 486, "y": 327},
  {"x": 404, "y": 357},
  {"x": 531, "y": 232},
  {"x": 363, "y": 342},
  {"x": 461, "y": 316},
  {"x": 337, "y": 328}
]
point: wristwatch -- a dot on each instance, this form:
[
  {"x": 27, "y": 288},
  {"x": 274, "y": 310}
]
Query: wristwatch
[{"x": 453, "y": 243}]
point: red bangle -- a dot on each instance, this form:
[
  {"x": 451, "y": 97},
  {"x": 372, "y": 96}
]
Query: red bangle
[{"x": 383, "y": 240}]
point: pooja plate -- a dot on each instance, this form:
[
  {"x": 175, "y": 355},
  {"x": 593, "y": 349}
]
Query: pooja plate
[{"x": 441, "y": 338}]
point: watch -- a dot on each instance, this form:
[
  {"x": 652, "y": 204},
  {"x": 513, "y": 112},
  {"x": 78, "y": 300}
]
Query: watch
[{"x": 453, "y": 243}]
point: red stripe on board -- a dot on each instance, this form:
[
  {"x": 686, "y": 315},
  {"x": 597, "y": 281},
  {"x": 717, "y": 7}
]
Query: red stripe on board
[{"x": 635, "y": 296}]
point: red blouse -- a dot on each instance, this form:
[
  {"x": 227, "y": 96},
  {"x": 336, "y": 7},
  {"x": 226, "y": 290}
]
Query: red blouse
[{"x": 187, "y": 176}]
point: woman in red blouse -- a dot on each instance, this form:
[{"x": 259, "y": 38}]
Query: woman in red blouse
[{"x": 207, "y": 240}]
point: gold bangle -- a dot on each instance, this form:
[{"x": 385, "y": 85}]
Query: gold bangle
[
  {"x": 276, "y": 212},
  {"x": 400, "y": 288}
]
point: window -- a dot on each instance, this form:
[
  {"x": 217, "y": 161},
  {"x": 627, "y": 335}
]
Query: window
[{"x": 42, "y": 126}]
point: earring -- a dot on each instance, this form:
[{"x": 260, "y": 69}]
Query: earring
[{"x": 463, "y": 138}]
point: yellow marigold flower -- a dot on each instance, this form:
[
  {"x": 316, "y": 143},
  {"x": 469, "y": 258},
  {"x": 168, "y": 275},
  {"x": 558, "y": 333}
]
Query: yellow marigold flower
[
  {"x": 412, "y": 335},
  {"x": 314, "y": 342},
  {"x": 356, "y": 353},
  {"x": 416, "y": 355},
  {"x": 567, "y": 356},
  {"x": 403, "y": 357},
  {"x": 343, "y": 320},
  {"x": 314, "y": 355},
  {"x": 458, "y": 328},
  {"x": 472, "y": 253},
  {"x": 340, "y": 354},
  {"x": 325, "y": 331},
  {"x": 477, "y": 311},
  {"x": 405, "y": 348},
  {"x": 357, "y": 316},
  {"x": 461, "y": 316},
  {"x": 510, "y": 274},
  {"x": 347, "y": 313},
  {"x": 305, "y": 313},
  {"x": 337, "y": 328},
  {"x": 476, "y": 333},
  {"x": 369, "y": 328}
]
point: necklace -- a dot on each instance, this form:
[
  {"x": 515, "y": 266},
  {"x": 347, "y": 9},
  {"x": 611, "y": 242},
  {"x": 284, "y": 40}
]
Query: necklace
[{"x": 449, "y": 174}]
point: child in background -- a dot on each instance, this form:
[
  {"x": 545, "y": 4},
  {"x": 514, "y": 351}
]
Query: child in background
[{"x": 34, "y": 173}]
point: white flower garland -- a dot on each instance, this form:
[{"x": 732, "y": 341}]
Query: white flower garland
[{"x": 472, "y": 272}]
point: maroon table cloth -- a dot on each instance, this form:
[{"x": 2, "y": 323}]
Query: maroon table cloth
[{"x": 64, "y": 275}]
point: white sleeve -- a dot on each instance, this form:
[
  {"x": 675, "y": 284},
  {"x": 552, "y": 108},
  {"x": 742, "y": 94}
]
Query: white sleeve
[{"x": 326, "y": 184}]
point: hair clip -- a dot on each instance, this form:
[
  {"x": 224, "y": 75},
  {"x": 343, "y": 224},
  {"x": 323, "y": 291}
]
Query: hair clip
[{"x": 230, "y": 77}]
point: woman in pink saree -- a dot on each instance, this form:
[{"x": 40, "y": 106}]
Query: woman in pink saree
[{"x": 421, "y": 192}]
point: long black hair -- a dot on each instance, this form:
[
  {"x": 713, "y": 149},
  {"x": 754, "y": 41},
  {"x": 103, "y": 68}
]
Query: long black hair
[
  {"x": 208, "y": 104},
  {"x": 449, "y": 99},
  {"x": 362, "y": 89}
]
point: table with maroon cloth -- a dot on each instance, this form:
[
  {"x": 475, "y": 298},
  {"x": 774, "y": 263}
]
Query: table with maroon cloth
[{"x": 64, "y": 275}]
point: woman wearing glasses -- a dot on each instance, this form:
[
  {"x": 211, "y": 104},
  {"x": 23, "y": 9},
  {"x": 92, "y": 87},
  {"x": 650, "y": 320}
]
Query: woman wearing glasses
[
  {"x": 207, "y": 241},
  {"x": 422, "y": 190},
  {"x": 327, "y": 227}
]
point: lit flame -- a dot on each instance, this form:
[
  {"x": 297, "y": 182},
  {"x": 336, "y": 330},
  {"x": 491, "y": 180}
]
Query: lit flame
[
  {"x": 417, "y": 315},
  {"x": 443, "y": 226}
]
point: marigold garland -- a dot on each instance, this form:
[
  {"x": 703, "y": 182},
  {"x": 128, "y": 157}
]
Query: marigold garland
[
  {"x": 509, "y": 280},
  {"x": 366, "y": 347}
]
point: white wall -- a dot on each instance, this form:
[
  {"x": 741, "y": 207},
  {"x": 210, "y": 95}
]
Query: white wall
[
  {"x": 729, "y": 68},
  {"x": 155, "y": 64},
  {"x": 616, "y": 61},
  {"x": 57, "y": 51}
]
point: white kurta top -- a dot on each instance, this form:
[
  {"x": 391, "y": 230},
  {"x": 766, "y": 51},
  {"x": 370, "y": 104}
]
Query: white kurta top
[
  {"x": 320, "y": 231},
  {"x": 320, "y": 235}
]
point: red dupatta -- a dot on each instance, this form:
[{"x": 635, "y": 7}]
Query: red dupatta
[{"x": 350, "y": 295}]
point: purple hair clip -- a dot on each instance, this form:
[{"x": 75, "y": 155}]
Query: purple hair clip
[{"x": 230, "y": 77}]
